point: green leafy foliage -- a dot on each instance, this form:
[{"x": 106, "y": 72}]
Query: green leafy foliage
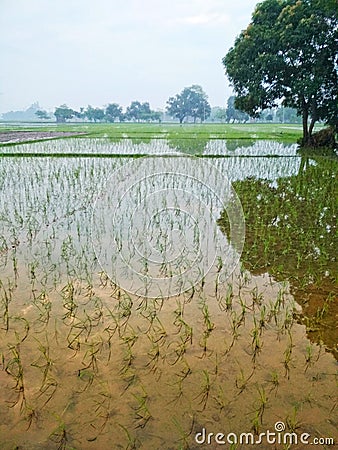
[
  {"x": 191, "y": 102},
  {"x": 288, "y": 52},
  {"x": 63, "y": 113},
  {"x": 94, "y": 114},
  {"x": 41, "y": 114},
  {"x": 113, "y": 112},
  {"x": 141, "y": 112}
]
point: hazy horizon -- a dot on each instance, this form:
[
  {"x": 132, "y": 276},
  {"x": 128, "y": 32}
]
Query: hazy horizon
[{"x": 82, "y": 52}]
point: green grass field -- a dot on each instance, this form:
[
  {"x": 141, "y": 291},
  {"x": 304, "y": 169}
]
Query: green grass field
[{"x": 280, "y": 132}]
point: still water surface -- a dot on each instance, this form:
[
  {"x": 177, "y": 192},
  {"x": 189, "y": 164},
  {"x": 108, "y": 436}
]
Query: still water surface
[{"x": 85, "y": 364}]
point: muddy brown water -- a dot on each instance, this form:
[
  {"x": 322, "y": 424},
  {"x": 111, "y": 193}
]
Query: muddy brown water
[{"x": 86, "y": 365}]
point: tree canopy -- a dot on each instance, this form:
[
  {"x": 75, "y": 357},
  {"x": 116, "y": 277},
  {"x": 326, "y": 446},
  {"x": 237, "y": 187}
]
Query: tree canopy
[
  {"x": 42, "y": 114},
  {"x": 141, "y": 112},
  {"x": 94, "y": 114},
  {"x": 113, "y": 112},
  {"x": 63, "y": 113},
  {"x": 137, "y": 110},
  {"x": 191, "y": 102},
  {"x": 288, "y": 52}
]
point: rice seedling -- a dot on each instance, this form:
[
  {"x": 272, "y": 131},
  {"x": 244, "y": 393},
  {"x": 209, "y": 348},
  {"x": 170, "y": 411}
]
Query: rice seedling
[
  {"x": 154, "y": 356},
  {"x": 222, "y": 401},
  {"x": 6, "y": 297},
  {"x": 44, "y": 306},
  {"x": 47, "y": 391},
  {"x": 44, "y": 361},
  {"x": 261, "y": 403},
  {"x": 308, "y": 357},
  {"x": 183, "y": 440},
  {"x": 142, "y": 413},
  {"x": 292, "y": 421},
  {"x": 257, "y": 297},
  {"x": 225, "y": 303},
  {"x": 132, "y": 442},
  {"x": 60, "y": 435},
  {"x": 103, "y": 413},
  {"x": 256, "y": 343},
  {"x": 274, "y": 380},
  {"x": 256, "y": 423},
  {"x": 288, "y": 357},
  {"x": 205, "y": 390},
  {"x": 31, "y": 416},
  {"x": 15, "y": 369}
]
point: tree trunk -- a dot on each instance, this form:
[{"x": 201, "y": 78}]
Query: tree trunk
[
  {"x": 305, "y": 126},
  {"x": 314, "y": 117},
  {"x": 312, "y": 124}
]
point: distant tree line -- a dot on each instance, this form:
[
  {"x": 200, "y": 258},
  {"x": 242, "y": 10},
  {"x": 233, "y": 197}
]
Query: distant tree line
[
  {"x": 113, "y": 112},
  {"x": 190, "y": 105},
  {"x": 231, "y": 114},
  {"x": 178, "y": 108}
]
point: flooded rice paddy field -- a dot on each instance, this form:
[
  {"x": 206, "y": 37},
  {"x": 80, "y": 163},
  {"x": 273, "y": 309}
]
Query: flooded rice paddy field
[{"x": 86, "y": 364}]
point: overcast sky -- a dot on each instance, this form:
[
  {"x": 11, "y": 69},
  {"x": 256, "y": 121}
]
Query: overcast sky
[{"x": 96, "y": 52}]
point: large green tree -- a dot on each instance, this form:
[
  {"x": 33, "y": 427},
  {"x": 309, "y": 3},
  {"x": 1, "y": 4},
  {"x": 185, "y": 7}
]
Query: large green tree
[
  {"x": 138, "y": 111},
  {"x": 63, "y": 113},
  {"x": 191, "y": 102},
  {"x": 113, "y": 112},
  {"x": 288, "y": 52},
  {"x": 94, "y": 114}
]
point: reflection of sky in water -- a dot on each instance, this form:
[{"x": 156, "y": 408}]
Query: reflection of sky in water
[
  {"x": 46, "y": 203},
  {"x": 242, "y": 163},
  {"x": 44, "y": 191},
  {"x": 45, "y": 197},
  {"x": 126, "y": 146},
  {"x": 239, "y": 168},
  {"x": 173, "y": 201},
  {"x": 40, "y": 189}
]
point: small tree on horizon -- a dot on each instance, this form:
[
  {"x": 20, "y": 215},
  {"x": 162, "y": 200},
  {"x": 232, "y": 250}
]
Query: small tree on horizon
[
  {"x": 234, "y": 114},
  {"x": 41, "y": 114},
  {"x": 63, "y": 113}
]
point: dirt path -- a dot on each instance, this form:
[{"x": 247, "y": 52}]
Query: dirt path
[{"x": 23, "y": 136}]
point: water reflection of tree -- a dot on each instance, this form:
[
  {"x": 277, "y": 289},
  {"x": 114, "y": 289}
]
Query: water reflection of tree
[
  {"x": 135, "y": 140},
  {"x": 291, "y": 233},
  {"x": 234, "y": 144},
  {"x": 197, "y": 145},
  {"x": 140, "y": 140},
  {"x": 189, "y": 146}
]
